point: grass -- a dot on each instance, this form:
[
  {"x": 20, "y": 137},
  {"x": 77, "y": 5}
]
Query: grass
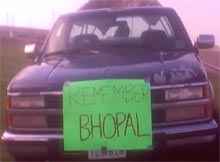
[
  {"x": 215, "y": 82},
  {"x": 13, "y": 60},
  {"x": 211, "y": 56}
]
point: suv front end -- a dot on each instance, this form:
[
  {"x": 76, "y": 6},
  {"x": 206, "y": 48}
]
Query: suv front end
[{"x": 35, "y": 121}]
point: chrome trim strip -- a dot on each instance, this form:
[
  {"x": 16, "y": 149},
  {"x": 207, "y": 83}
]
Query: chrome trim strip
[
  {"x": 154, "y": 106},
  {"x": 42, "y": 130},
  {"x": 187, "y": 129},
  {"x": 164, "y": 105},
  {"x": 181, "y": 122},
  {"x": 35, "y": 111},
  {"x": 156, "y": 126},
  {"x": 34, "y": 93},
  {"x": 179, "y": 86},
  {"x": 52, "y": 93},
  {"x": 181, "y": 103},
  {"x": 30, "y": 137},
  {"x": 152, "y": 88},
  {"x": 212, "y": 125}
]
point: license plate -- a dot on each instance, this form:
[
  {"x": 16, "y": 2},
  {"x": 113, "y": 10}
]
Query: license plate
[{"x": 106, "y": 154}]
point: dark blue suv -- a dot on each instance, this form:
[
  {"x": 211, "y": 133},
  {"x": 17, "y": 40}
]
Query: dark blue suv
[{"x": 144, "y": 43}]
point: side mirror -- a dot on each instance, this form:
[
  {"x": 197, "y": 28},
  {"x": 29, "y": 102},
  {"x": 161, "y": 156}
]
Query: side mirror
[
  {"x": 205, "y": 41},
  {"x": 31, "y": 51}
]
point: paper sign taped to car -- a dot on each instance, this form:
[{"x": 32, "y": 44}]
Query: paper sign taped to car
[{"x": 115, "y": 114}]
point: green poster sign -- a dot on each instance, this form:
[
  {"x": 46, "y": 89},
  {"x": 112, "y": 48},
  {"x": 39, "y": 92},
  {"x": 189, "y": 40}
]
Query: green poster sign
[{"x": 115, "y": 114}]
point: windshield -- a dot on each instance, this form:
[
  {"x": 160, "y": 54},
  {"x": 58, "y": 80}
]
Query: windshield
[{"x": 114, "y": 32}]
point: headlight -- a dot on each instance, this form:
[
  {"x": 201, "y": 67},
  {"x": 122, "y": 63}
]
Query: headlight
[
  {"x": 183, "y": 93},
  {"x": 27, "y": 101}
]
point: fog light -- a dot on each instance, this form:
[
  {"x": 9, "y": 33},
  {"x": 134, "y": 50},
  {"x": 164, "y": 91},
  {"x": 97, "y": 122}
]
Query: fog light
[
  {"x": 30, "y": 121},
  {"x": 189, "y": 113}
]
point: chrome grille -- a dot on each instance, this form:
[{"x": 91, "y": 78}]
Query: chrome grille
[
  {"x": 55, "y": 102},
  {"x": 55, "y": 121}
]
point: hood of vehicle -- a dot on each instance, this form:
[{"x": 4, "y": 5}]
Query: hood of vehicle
[
  {"x": 31, "y": 79},
  {"x": 51, "y": 75}
]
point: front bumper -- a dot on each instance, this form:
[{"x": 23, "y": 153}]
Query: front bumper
[{"x": 50, "y": 146}]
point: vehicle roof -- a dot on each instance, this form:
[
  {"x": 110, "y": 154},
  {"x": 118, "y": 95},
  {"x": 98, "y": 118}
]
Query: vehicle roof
[{"x": 162, "y": 10}]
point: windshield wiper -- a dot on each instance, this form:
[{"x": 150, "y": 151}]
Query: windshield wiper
[
  {"x": 175, "y": 53},
  {"x": 70, "y": 52}
]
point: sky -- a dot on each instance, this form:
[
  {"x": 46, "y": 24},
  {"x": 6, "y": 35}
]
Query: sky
[{"x": 198, "y": 16}]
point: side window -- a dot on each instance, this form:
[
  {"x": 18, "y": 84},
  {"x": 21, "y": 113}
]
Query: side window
[
  {"x": 57, "y": 38},
  {"x": 111, "y": 31},
  {"x": 158, "y": 26},
  {"x": 84, "y": 29},
  {"x": 136, "y": 24},
  {"x": 59, "y": 31},
  {"x": 167, "y": 26},
  {"x": 163, "y": 24},
  {"x": 76, "y": 30},
  {"x": 91, "y": 29}
]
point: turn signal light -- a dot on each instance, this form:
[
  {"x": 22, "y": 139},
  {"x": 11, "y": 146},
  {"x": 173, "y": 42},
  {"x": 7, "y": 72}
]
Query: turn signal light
[
  {"x": 8, "y": 102},
  {"x": 206, "y": 92},
  {"x": 208, "y": 108}
]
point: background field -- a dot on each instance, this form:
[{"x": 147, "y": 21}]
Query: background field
[
  {"x": 212, "y": 57},
  {"x": 13, "y": 60}
]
